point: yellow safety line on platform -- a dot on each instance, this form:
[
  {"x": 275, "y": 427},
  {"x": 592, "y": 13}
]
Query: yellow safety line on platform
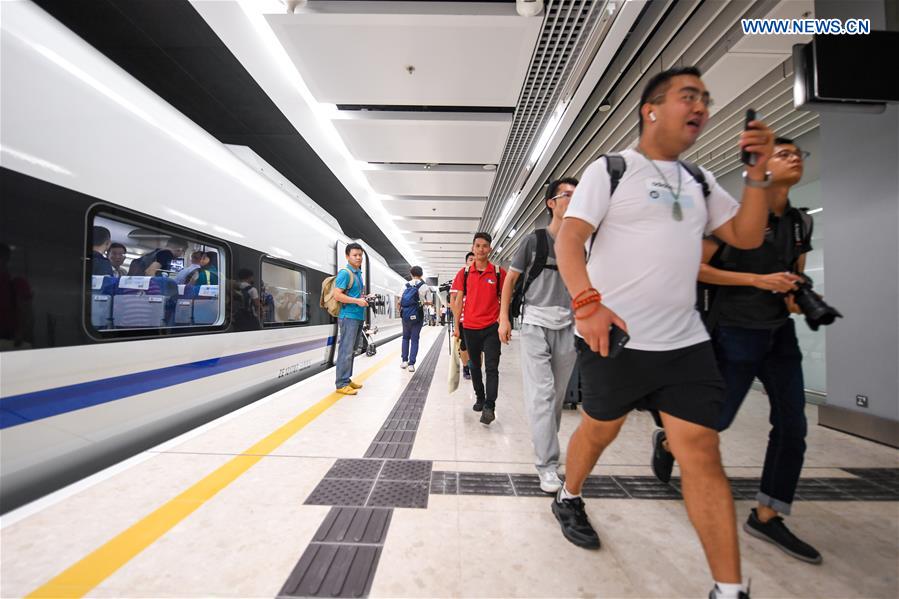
[{"x": 78, "y": 579}]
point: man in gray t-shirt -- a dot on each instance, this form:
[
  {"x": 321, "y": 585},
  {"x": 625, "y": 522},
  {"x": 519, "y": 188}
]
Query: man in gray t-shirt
[{"x": 547, "y": 337}]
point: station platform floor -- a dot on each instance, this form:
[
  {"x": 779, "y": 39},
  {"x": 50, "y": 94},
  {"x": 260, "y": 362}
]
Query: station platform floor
[{"x": 401, "y": 492}]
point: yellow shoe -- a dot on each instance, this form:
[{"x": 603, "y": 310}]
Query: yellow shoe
[
  {"x": 348, "y": 390},
  {"x": 355, "y": 385}
]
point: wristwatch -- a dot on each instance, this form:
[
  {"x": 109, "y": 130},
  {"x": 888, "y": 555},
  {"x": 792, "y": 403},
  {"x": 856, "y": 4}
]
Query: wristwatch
[{"x": 753, "y": 183}]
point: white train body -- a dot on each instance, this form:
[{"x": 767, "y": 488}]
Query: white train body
[{"x": 86, "y": 138}]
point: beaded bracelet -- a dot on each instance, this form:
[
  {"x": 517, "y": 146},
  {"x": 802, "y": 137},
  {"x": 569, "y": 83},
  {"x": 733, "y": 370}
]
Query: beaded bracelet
[
  {"x": 592, "y": 295},
  {"x": 593, "y": 299}
]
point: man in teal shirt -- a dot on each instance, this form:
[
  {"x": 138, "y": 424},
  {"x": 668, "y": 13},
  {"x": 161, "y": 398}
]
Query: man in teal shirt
[{"x": 348, "y": 291}]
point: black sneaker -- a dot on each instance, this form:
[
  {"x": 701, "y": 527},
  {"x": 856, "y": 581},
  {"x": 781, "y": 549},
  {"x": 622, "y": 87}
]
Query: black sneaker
[
  {"x": 662, "y": 459},
  {"x": 574, "y": 522},
  {"x": 713, "y": 594},
  {"x": 775, "y": 531},
  {"x": 478, "y": 406},
  {"x": 466, "y": 374},
  {"x": 488, "y": 416}
]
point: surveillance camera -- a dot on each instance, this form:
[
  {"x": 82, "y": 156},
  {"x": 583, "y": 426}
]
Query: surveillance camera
[
  {"x": 292, "y": 5},
  {"x": 529, "y": 8}
]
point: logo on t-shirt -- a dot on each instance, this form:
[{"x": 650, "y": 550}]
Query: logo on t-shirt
[
  {"x": 660, "y": 193},
  {"x": 491, "y": 282}
]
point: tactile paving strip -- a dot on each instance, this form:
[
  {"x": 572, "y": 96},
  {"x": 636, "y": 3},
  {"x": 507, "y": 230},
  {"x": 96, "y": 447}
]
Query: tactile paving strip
[
  {"x": 362, "y": 469},
  {"x": 354, "y": 525},
  {"x": 418, "y": 470},
  {"x": 872, "y": 484},
  {"x": 394, "y": 440},
  {"x": 444, "y": 483},
  {"x": 481, "y": 483},
  {"x": 390, "y": 493},
  {"x": 342, "y": 558},
  {"x": 333, "y": 571},
  {"x": 337, "y": 491}
]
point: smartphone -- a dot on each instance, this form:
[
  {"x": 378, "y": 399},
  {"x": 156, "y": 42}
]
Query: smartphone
[
  {"x": 748, "y": 158},
  {"x": 618, "y": 338}
]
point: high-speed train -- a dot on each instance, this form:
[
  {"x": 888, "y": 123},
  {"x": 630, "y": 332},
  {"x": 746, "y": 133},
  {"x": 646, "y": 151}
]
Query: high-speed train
[{"x": 209, "y": 299}]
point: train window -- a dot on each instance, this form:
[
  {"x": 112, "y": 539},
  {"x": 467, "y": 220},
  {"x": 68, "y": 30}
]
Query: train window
[
  {"x": 144, "y": 277},
  {"x": 284, "y": 298}
]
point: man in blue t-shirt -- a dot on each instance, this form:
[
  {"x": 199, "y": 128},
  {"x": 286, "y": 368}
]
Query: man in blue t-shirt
[{"x": 348, "y": 291}]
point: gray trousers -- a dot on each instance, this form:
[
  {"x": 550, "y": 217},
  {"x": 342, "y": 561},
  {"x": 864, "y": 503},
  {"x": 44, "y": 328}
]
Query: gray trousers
[{"x": 547, "y": 359}]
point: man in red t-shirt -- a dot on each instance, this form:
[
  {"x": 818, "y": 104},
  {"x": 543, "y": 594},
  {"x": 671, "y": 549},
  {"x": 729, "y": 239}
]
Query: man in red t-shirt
[{"x": 480, "y": 287}]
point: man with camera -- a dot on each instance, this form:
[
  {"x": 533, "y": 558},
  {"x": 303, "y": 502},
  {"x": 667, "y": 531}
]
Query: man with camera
[{"x": 746, "y": 297}]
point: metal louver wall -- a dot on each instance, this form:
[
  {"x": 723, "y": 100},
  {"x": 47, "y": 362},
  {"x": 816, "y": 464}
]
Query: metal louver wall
[
  {"x": 668, "y": 33},
  {"x": 566, "y": 26}
]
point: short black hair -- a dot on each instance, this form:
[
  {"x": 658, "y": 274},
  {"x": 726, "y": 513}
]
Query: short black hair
[
  {"x": 416, "y": 271},
  {"x": 482, "y": 235},
  {"x": 784, "y": 141},
  {"x": 175, "y": 242},
  {"x": 164, "y": 257},
  {"x": 244, "y": 273},
  {"x": 353, "y": 246},
  {"x": 552, "y": 190},
  {"x": 116, "y": 244},
  {"x": 659, "y": 84},
  {"x": 469, "y": 254},
  {"x": 100, "y": 235}
]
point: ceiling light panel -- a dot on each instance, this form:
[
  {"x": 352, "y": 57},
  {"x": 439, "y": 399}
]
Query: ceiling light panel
[
  {"x": 438, "y": 181},
  {"x": 462, "y": 54},
  {"x": 424, "y": 137},
  {"x": 434, "y": 208},
  {"x": 467, "y": 226}
]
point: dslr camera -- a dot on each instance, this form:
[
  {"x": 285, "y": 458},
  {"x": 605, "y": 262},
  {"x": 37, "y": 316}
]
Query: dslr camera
[
  {"x": 445, "y": 286},
  {"x": 816, "y": 311},
  {"x": 375, "y": 300}
]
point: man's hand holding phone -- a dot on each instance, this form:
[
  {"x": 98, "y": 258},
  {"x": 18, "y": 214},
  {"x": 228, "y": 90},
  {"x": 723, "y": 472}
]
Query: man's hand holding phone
[
  {"x": 756, "y": 145},
  {"x": 596, "y": 328}
]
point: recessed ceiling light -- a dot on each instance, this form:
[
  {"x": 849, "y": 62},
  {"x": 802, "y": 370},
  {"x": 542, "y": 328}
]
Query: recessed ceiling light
[
  {"x": 489, "y": 167},
  {"x": 606, "y": 106}
]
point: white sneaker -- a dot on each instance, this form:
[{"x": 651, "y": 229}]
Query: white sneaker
[
  {"x": 550, "y": 481},
  {"x": 404, "y": 365},
  {"x": 411, "y": 367}
]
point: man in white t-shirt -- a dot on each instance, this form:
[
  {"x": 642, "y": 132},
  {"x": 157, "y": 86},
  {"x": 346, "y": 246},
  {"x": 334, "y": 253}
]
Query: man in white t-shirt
[{"x": 641, "y": 276}]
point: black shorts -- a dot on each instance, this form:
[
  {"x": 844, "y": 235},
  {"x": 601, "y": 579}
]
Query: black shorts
[
  {"x": 462, "y": 346},
  {"x": 684, "y": 383}
]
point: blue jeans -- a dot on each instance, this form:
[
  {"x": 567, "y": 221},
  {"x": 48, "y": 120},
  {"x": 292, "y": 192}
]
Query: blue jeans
[
  {"x": 774, "y": 357},
  {"x": 348, "y": 336},
  {"x": 411, "y": 331}
]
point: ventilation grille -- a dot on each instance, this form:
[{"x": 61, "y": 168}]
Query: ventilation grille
[{"x": 566, "y": 26}]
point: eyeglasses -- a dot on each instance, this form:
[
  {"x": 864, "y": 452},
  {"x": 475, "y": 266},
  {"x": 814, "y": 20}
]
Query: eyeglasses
[
  {"x": 786, "y": 154},
  {"x": 564, "y": 194},
  {"x": 689, "y": 97}
]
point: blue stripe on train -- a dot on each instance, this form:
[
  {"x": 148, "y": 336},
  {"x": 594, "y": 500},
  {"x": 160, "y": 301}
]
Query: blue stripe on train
[{"x": 28, "y": 407}]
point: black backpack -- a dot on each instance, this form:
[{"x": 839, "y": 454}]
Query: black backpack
[{"x": 523, "y": 283}]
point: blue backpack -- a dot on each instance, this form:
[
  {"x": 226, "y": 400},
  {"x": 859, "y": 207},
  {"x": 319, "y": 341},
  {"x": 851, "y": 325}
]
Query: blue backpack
[{"x": 410, "y": 305}]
